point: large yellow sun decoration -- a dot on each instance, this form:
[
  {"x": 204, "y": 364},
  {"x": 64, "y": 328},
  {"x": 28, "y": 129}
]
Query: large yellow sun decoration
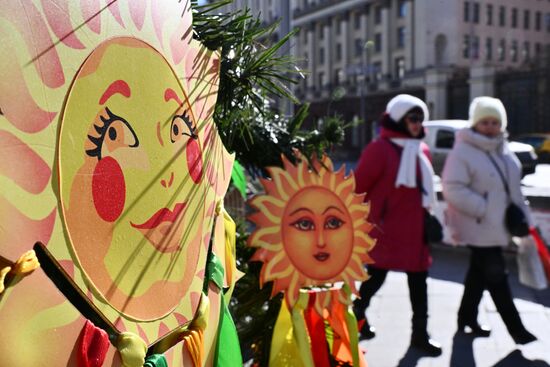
[
  {"x": 111, "y": 159},
  {"x": 311, "y": 228}
]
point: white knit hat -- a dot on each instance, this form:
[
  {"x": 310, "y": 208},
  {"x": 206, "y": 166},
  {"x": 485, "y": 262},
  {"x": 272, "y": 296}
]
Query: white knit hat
[
  {"x": 482, "y": 107},
  {"x": 399, "y": 105}
]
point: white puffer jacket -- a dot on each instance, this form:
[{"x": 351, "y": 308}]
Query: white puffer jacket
[{"x": 474, "y": 192}]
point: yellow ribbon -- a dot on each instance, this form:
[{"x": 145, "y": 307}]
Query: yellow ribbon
[
  {"x": 290, "y": 344},
  {"x": 132, "y": 349},
  {"x": 3, "y": 272},
  {"x": 231, "y": 272},
  {"x": 26, "y": 264}
]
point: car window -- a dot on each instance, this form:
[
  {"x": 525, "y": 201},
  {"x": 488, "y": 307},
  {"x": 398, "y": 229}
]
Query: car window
[
  {"x": 445, "y": 139},
  {"x": 535, "y": 141}
]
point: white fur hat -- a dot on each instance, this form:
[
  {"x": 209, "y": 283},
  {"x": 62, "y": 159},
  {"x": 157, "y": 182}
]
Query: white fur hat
[
  {"x": 399, "y": 105},
  {"x": 482, "y": 107}
]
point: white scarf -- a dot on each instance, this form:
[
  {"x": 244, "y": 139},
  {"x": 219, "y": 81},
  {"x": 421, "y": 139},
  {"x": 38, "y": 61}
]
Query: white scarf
[{"x": 406, "y": 176}]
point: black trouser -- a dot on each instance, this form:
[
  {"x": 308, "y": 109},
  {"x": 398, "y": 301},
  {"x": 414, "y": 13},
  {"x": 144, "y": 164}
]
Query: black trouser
[
  {"x": 418, "y": 293},
  {"x": 488, "y": 271}
]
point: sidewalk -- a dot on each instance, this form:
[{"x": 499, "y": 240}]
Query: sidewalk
[{"x": 390, "y": 313}]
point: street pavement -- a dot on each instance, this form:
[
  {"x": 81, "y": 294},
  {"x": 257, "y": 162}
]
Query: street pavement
[{"x": 390, "y": 313}]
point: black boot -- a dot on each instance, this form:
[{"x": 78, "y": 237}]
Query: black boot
[
  {"x": 365, "y": 330},
  {"x": 523, "y": 337},
  {"x": 474, "y": 329},
  {"x": 424, "y": 344}
]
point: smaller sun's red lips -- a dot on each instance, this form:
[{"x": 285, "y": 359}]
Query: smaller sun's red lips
[
  {"x": 162, "y": 215},
  {"x": 322, "y": 256}
]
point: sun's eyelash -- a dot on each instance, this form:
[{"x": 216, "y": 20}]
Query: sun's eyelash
[
  {"x": 185, "y": 117},
  {"x": 101, "y": 130}
]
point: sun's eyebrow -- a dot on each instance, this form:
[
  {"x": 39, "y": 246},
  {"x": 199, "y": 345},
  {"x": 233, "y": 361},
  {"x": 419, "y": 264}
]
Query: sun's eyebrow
[
  {"x": 301, "y": 209},
  {"x": 169, "y": 94},
  {"x": 116, "y": 87},
  {"x": 333, "y": 207}
]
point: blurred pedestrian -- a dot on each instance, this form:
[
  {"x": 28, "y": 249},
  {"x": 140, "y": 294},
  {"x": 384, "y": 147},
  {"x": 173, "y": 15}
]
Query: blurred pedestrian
[
  {"x": 480, "y": 178},
  {"x": 396, "y": 173}
]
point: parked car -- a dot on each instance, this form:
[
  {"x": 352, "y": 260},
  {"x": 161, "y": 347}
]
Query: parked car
[
  {"x": 440, "y": 137},
  {"x": 541, "y": 143}
]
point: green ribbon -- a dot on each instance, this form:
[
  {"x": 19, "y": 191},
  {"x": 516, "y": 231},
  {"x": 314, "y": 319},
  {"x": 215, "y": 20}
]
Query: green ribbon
[{"x": 156, "y": 360}]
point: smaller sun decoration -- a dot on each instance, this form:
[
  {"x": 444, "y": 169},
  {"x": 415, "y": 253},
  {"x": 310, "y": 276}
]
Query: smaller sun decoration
[{"x": 311, "y": 228}]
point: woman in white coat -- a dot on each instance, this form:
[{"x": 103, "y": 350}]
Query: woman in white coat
[{"x": 474, "y": 189}]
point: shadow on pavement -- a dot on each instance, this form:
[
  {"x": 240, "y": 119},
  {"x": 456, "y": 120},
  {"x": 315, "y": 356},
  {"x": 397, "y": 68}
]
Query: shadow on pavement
[
  {"x": 411, "y": 357},
  {"x": 515, "y": 359},
  {"x": 463, "y": 351}
]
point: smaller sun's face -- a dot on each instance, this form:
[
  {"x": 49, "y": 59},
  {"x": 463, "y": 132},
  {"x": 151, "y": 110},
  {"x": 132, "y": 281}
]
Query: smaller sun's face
[
  {"x": 311, "y": 228},
  {"x": 317, "y": 233}
]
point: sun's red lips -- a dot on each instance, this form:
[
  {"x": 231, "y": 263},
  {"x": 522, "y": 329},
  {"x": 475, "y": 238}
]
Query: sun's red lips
[
  {"x": 322, "y": 256},
  {"x": 162, "y": 215}
]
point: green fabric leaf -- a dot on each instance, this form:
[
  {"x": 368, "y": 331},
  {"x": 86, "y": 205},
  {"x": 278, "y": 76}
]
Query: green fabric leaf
[
  {"x": 239, "y": 179},
  {"x": 228, "y": 350}
]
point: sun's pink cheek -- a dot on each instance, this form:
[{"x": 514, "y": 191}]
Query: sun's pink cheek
[
  {"x": 108, "y": 189},
  {"x": 194, "y": 160}
]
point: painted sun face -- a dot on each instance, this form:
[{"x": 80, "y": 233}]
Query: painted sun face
[
  {"x": 317, "y": 233},
  {"x": 131, "y": 178},
  {"x": 311, "y": 228}
]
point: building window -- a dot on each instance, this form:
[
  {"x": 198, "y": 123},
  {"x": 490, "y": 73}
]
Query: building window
[
  {"x": 488, "y": 49},
  {"x": 466, "y": 47},
  {"x": 538, "y": 50},
  {"x": 321, "y": 32},
  {"x": 514, "y": 51},
  {"x": 538, "y": 19},
  {"x": 378, "y": 15},
  {"x": 526, "y": 51},
  {"x": 357, "y": 20},
  {"x": 338, "y": 52},
  {"x": 514, "y": 17},
  {"x": 547, "y": 21},
  {"x": 337, "y": 76},
  {"x": 475, "y": 17},
  {"x": 338, "y": 26},
  {"x": 320, "y": 79},
  {"x": 321, "y": 55},
  {"x": 402, "y": 9},
  {"x": 475, "y": 47},
  {"x": 502, "y": 50},
  {"x": 526, "y": 19},
  {"x": 466, "y": 11},
  {"x": 377, "y": 71},
  {"x": 399, "y": 68},
  {"x": 358, "y": 47},
  {"x": 378, "y": 42},
  {"x": 489, "y": 14},
  {"x": 502, "y": 16},
  {"x": 401, "y": 37}
]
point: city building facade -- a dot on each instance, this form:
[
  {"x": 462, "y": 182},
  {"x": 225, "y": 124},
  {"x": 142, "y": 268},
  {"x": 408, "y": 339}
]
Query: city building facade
[{"x": 358, "y": 53}]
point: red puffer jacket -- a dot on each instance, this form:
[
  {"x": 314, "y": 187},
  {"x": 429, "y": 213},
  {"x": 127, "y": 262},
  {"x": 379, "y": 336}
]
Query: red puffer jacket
[{"x": 396, "y": 212}]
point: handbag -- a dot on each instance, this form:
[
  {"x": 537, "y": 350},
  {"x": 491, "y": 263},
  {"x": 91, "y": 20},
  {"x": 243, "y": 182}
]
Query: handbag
[
  {"x": 433, "y": 230},
  {"x": 515, "y": 220},
  {"x": 530, "y": 269}
]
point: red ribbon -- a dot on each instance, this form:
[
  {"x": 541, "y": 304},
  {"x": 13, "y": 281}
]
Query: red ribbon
[
  {"x": 92, "y": 346},
  {"x": 316, "y": 328}
]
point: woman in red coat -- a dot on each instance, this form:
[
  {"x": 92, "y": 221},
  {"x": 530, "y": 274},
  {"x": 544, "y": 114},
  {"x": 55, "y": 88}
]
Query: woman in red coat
[{"x": 396, "y": 173}]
